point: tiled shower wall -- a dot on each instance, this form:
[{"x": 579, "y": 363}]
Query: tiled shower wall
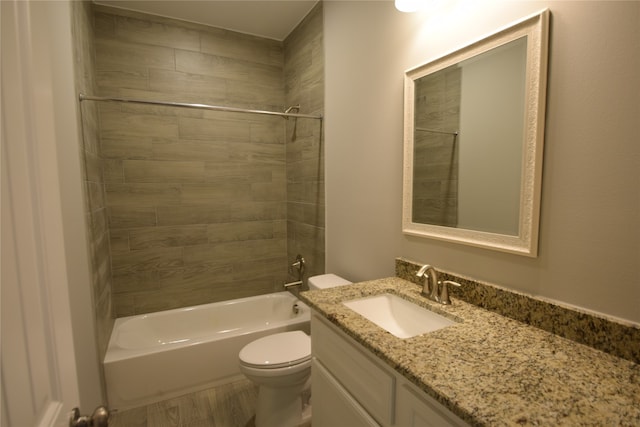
[
  {"x": 304, "y": 85},
  {"x": 95, "y": 211},
  {"x": 196, "y": 200},
  {"x": 435, "y": 174}
]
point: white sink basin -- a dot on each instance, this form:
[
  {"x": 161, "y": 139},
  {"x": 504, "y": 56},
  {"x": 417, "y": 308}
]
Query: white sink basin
[{"x": 398, "y": 316}]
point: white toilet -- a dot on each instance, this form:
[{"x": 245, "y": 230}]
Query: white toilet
[{"x": 280, "y": 364}]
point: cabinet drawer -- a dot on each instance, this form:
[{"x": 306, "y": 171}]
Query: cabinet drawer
[
  {"x": 372, "y": 386},
  {"x": 332, "y": 404}
]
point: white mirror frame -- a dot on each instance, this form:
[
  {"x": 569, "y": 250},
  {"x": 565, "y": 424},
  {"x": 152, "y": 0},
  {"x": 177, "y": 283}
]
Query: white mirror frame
[{"x": 536, "y": 29}]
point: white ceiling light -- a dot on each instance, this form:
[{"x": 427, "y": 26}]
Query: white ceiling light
[{"x": 408, "y": 5}]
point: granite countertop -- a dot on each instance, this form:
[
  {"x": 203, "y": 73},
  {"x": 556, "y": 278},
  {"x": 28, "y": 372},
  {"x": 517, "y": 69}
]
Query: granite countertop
[{"x": 491, "y": 370}]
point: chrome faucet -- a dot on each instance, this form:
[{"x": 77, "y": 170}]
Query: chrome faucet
[
  {"x": 298, "y": 265},
  {"x": 433, "y": 288},
  {"x": 430, "y": 285}
]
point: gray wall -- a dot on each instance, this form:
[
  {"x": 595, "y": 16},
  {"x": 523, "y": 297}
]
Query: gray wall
[{"x": 590, "y": 222}]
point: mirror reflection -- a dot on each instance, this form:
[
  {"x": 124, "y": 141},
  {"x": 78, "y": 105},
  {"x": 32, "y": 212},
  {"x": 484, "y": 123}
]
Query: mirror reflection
[
  {"x": 468, "y": 129},
  {"x": 474, "y": 129}
]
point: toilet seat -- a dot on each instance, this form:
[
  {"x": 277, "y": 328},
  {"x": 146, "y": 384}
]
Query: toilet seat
[{"x": 277, "y": 351}]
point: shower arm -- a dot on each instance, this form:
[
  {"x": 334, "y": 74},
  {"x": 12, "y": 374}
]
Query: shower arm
[{"x": 288, "y": 111}]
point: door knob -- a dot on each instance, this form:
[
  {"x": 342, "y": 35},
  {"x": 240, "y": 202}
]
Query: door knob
[{"x": 99, "y": 418}]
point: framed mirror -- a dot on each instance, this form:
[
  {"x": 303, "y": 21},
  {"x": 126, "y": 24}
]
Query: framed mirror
[{"x": 473, "y": 141}]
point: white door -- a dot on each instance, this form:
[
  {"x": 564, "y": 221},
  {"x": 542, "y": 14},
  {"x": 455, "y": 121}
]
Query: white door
[{"x": 40, "y": 383}]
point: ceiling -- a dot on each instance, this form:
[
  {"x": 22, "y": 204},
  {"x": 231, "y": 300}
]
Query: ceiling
[{"x": 273, "y": 19}]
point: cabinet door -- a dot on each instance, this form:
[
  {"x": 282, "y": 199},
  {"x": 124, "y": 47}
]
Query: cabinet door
[
  {"x": 358, "y": 372},
  {"x": 332, "y": 405},
  {"x": 416, "y": 409}
]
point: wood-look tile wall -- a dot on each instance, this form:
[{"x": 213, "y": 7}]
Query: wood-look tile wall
[
  {"x": 304, "y": 85},
  {"x": 95, "y": 209},
  {"x": 196, "y": 200},
  {"x": 435, "y": 173}
]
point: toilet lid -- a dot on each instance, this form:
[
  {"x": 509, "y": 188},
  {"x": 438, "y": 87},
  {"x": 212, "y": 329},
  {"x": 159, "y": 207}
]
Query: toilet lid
[{"x": 277, "y": 350}]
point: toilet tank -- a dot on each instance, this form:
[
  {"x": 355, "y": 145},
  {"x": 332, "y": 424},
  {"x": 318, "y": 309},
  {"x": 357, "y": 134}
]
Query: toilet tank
[{"x": 325, "y": 281}]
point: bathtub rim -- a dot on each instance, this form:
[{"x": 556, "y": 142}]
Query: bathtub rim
[{"x": 114, "y": 353}]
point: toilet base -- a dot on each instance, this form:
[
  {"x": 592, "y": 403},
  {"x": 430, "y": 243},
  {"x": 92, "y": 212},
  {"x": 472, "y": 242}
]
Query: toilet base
[
  {"x": 306, "y": 416},
  {"x": 280, "y": 407}
]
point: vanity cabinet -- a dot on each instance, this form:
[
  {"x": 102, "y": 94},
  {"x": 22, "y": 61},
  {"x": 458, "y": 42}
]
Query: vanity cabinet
[
  {"x": 352, "y": 387},
  {"x": 414, "y": 408},
  {"x": 338, "y": 408}
]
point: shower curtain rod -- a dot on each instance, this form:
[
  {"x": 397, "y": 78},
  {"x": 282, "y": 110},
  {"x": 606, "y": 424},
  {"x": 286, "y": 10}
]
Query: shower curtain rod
[
  {"x": 200, "y": 106},
  {"x": 437, "y": 131}
]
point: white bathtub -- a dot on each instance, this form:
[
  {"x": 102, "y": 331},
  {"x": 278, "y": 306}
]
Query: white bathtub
[{"x": 161, "y": 355}]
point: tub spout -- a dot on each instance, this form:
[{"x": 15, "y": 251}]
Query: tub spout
[{"x": 296, "y": 283}]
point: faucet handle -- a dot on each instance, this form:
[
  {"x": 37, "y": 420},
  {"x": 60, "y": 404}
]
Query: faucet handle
[
  {"x": 444, "y": 291},
  {"x": 299, "y": 265}
]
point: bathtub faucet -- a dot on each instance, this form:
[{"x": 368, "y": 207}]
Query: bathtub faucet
[
  {"x": 296, "y": 283},
  {"x": 298, "y": 265}
]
